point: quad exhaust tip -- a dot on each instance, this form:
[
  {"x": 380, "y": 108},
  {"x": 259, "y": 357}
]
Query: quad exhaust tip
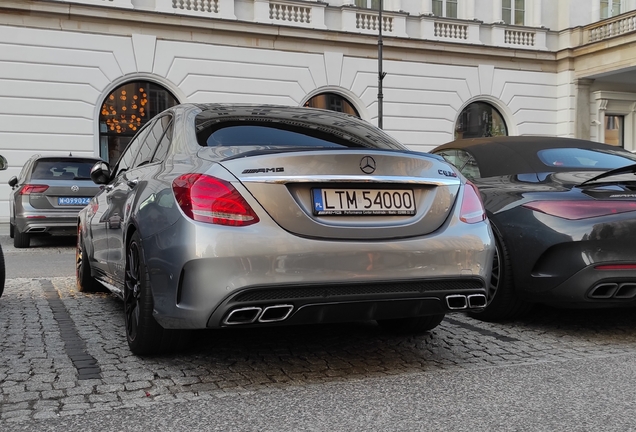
[
  {"x": 456, "y": 301},
  {"x": 477, "y": 301},
  {"x": 460, "y": 301},
  {"x": 252, "y": 314},
  {"x": 246, "y": 315},
  {"x": 613, "y": 290}
]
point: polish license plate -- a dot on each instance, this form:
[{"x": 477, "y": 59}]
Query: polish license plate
[
  {"x": 363, "y": 202},
  {"x": 73, "y": 201}
]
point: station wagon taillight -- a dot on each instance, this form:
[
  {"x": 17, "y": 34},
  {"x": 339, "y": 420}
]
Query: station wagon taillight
[
  {"x": 472, "y": 209},
  {"x": 29, "y": 189},
  {"x": 208, "y": 199},
  {"x": 575, "y": 210}
]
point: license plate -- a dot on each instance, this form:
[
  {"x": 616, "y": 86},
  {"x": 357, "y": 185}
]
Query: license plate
[
  {"x": 356, "y": 202},
  {"x": 73, "y": 201}
]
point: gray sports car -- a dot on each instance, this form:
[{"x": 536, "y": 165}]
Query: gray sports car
[{"x": 239, "y": 215}]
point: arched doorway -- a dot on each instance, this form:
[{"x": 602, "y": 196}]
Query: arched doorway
[
  {"x": 127, "y": 109},
  {"x": 480, "y": 119},
  {"x": 333, "y": 102}
]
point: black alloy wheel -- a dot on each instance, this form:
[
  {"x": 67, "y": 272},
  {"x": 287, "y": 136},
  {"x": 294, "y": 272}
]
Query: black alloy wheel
[
  {"x": 502, "y": 301},
  {"x": 143, "y": 332},
  {"x": 85, "y": 282}
]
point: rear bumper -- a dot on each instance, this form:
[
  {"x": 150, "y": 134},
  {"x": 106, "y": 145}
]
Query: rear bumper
[
  {"x": 199, "y": 274},
  {"x": 342, "y": 302},
  {"x": 590, "y": 288},
  {"x": 48, "y": 222}
]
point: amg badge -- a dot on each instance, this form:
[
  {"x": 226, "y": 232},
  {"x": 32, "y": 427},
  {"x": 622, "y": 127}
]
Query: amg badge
[{"x": 262, "y": 170}]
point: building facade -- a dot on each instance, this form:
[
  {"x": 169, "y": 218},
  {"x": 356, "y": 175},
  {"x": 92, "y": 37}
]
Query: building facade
[{"x": 82, "y": 76}]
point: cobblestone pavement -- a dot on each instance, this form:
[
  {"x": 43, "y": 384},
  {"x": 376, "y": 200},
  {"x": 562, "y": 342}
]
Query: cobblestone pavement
[{"x": 41, "y": 338}]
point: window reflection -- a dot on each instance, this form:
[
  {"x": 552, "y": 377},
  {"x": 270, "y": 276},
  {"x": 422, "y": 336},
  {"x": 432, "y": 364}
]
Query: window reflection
[
  {"x": 333, "y": 102},
  {"x": 480, "y": 119},
  {"x": 125, "y": 111}
]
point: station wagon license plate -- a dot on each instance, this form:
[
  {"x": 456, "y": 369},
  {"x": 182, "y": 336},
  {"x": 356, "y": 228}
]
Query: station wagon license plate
[
  {"x": 73, "y": 201},
  {"x": 356, "y": 202}
]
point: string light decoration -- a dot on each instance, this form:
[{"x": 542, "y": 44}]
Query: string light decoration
[{"x": 125, "y": 110}]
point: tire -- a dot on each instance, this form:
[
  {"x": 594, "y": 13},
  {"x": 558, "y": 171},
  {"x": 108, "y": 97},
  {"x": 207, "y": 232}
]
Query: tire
[
  {"x": 144, "y": 334},
  {"x": 11, "y": 230},
  {"x": 502, "y": 301},
  {"x": 21, "y": 240},
  {"x": 412, "y": 325},
  {"x": 2, "y": 272},
  {"x": 85, "y": 282}
]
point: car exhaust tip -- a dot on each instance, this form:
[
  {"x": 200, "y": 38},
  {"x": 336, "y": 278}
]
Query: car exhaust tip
[
  {"x": 477, "y": 301},
  {"x": 275, "y": 313},
  {"x": 603, "y": 291},
  {"x": 456, "y": 301},
  {"x": 626, "y": 290},
  {"x": 246, "y": 315}
]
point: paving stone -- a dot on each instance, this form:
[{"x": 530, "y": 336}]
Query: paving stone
[{"x": 41, "y": 374}]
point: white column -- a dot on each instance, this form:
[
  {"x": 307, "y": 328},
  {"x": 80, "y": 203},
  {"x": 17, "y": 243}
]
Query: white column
[
  {"x": 496, "y": 11},
  {"x": 468, "y": 11},
  {"x": 427, "y": 7},
  {"x": 583, "y": 115},
  {"x": 601, "y": 107}
]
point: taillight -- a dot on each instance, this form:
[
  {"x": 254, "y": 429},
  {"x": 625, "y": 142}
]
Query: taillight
[
  {"x": 615, "y": 267},
  {"x": 29, "y": 189},
  {"x": 574, "y": 210},
  {"x": 472, "y": 210},
  {"x": 212, "y": 200}
]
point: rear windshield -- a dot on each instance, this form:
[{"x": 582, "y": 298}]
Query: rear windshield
[
  {"x": 586, "y": 158},
  {"x": 279, "y": 134},
  {"x": 63, "y": 169}
]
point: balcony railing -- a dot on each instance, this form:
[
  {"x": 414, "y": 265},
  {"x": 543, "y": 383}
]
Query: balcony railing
[
  {"x": 344, "y": 16},
  {"x": 615, "y": 26}
]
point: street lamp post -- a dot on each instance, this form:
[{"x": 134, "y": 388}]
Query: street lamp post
[{"x": 380, "y": 73}]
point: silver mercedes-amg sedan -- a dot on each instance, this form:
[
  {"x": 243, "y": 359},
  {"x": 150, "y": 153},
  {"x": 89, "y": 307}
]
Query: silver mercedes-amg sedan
[{"x": 239, "y": 215}]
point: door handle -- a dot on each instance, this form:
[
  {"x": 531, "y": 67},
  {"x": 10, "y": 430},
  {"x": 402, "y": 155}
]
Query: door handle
[{"x": 132, "y": 183}]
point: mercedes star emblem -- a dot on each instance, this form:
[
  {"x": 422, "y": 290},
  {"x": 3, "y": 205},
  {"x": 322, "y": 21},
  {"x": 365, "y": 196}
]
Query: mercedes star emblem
[
  {"x": 367, "y": 165},
  {"x": 74, "y": 188}
]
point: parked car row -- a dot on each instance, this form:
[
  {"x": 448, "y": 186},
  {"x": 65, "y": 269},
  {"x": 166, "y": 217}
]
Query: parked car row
[{"x": 220, "y": 216}]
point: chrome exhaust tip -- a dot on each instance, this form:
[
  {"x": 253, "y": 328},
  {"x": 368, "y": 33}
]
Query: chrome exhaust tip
[
  {"x": 275, "y": 313},
  {"x": 246, "y": 315},
  {"x": 477, "y": 301},
  {"x": 456, "y": 301}
]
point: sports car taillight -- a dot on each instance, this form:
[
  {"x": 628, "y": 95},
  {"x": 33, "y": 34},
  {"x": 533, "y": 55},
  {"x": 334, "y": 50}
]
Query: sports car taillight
[
  {"x": 208, "y": 199},
  {"x": 29, "y": 189},
  {"x": 574, "y": 210},
  {"x": 472, "y": 210}
]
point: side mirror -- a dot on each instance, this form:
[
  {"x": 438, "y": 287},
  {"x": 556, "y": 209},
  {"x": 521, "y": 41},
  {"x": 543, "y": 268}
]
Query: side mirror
[
  {"x": 13, "y": 181},
  {"x": 100, "y": 173},
  {"x": 3, "y": 163}
]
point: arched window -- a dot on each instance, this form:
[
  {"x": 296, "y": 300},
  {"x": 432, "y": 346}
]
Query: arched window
[
  {"x": 125, "y": 111},
  {"x": 333, "y": 102},
  {"x": 480, "y": 119}
]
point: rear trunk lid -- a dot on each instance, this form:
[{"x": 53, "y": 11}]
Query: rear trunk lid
[{"x": 350, "y": 194}]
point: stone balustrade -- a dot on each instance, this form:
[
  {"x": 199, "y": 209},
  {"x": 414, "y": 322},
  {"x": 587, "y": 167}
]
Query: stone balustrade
[
  {"x": 345, "y": 16},
  {"x": 615, "y": 26}
]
